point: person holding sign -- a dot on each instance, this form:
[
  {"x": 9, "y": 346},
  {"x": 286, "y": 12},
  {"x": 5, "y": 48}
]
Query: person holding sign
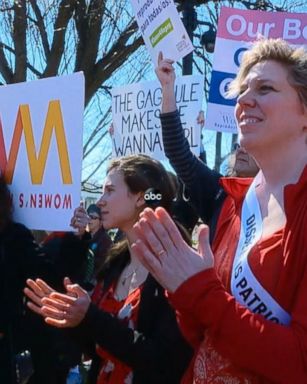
[
  {"x": 242, "y": 305},
  {"x": 129, "y": 320},
  {"x": 201, "y": 183}
]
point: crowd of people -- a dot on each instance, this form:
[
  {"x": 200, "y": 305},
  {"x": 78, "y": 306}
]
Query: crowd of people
[{"x": 149, "y": 307}]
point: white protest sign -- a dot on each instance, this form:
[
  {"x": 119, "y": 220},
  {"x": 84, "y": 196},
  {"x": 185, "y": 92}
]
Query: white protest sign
[
  {"x": 136, "y": 111},
  {"x": 237, "y": 29},
  {"x": 41, "y": 149},
  {"x": 162, "y": 29}
]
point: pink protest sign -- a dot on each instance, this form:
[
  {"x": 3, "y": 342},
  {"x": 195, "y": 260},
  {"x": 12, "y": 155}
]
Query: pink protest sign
[
  {"x": 237, "y": 29},
  {"x": 237, "y": 24}
]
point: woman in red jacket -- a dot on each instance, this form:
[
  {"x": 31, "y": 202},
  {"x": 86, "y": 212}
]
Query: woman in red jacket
[{"x": 243, "y": 304}]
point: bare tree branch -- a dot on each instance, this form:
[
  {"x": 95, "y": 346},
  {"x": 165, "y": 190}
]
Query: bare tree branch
[
  {"x": 90, "y": 36},
  {"x": 41, "y": 27},
  {"x": 91, "y": 187},
  {"x": 81, "y": 27},
  {"x": 94, "y": 144},
  {"x": 96, "y": 168},
  {"x": 86, "y": 148},
  {"x": 116, "y": 56},
  {"x": 65, "y": 13},
  {"x": 34, "y": 70},
  {"x": 5, "y": 69},
  {"x": 20, "y": 41}
]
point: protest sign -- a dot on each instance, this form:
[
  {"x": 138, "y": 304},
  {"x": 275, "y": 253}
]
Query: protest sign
[
  {"x": 162, "y": 29},
  {"x": 237, "y": 29},
  {"x": 136, "y": 111},
  {"x": 41, "y": 149}
]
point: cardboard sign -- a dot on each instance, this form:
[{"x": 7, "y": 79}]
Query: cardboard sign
[
  {"x": 41, "y": 149},
  {"x": 162, "y": 29},
  {"x": 136, "y": 111},
  {"x": 237, "y": 29}
]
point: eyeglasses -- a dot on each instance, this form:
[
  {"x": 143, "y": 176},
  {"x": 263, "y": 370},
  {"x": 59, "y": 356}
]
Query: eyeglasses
[
  {"x": 235, "y": 146},
  {"x": 94, "y": 217}
]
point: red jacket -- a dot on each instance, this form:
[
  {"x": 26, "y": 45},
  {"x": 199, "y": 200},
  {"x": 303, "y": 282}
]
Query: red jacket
[{"x": 234, "y": 345}]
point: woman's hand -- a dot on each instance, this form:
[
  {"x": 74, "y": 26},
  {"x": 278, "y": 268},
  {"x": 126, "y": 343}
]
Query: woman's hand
[
  {"x": 165, "y": 71},
  {"x": 59, "y": 309},
  {"x": 36, "y": 291},
  {"x": 201, "y": 119},
  {"x": 163, "y": 251},
  {"x": 79, "y": 220},
  {"x": 66, "y": 310},
  {"x": 166, "y": 75}
]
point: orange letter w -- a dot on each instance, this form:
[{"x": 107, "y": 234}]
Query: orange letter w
[{"x": 54, "y": 121}]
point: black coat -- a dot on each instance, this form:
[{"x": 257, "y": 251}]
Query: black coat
[{"x": 20, "y": 259}]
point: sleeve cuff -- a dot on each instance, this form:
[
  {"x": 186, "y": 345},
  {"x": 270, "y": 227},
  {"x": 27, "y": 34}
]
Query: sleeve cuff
[
  {"x": 188, "y": 294},
  {"x": 169, "y": 114}
]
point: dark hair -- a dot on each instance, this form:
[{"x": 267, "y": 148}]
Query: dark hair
[
  {"x": 141, "y": 173},
  {"x": 6, "y": 207},
  {"x": 93, "y": 208},
  {"x": 182, "y": 211}
]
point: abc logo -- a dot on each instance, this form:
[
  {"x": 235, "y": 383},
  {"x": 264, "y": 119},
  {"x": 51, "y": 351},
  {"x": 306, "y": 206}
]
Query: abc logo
[{"x": 152, "y": 196}]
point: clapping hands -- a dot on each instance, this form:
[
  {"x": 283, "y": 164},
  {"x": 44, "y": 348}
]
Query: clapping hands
[
  {"x": 162, "y": 250},
  {"x": 59, "y": 309}
]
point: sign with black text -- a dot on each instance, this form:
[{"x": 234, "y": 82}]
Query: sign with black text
[
  {"x": 162, "y": 29},
  {"x": 136, "y": 111}
]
